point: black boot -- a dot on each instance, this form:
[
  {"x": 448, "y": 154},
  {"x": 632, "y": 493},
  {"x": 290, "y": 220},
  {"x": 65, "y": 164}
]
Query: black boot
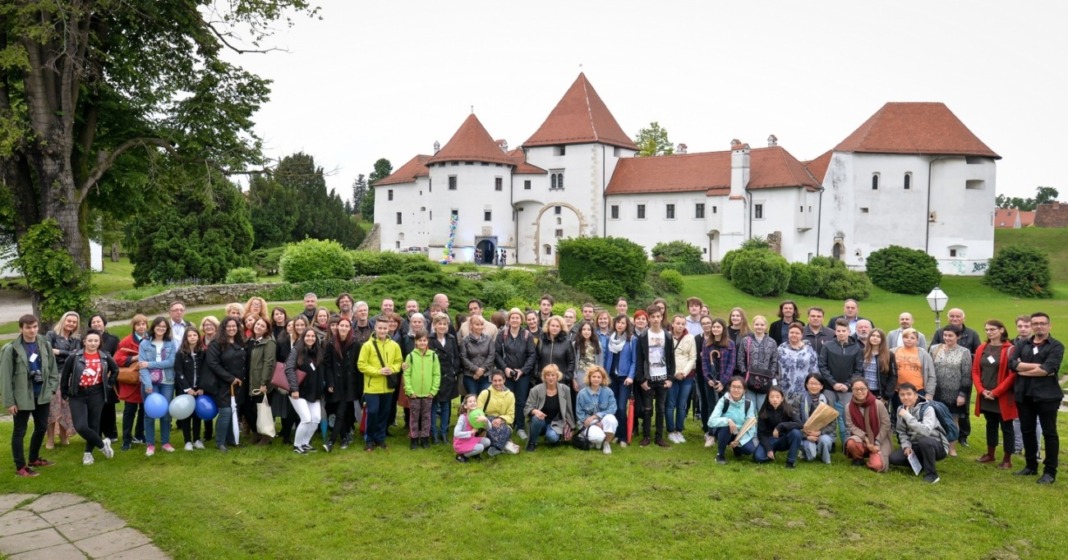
[
  {"x": 531, "y": 445},
  {"x": 424, "y": 442},
  {"x": 414, "y": 444}
]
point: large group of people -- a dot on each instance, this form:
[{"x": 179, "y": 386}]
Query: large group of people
[{"x": 587, "y": 377}]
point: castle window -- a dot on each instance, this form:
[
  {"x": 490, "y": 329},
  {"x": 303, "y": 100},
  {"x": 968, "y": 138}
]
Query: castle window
[
  {"x": 452, "y": 182},
  {"x": 874, "y": 181},
  {"x": 758, "y": 211},
  {"x": 389, "y": 194},
  {"x": 556, "y": 180},
  {"x": 487, "y": 216},
  {"x": 908, "y": 181},
  {"x": 399, "y": 221},
  {"x": 614, "y": 211},
  {"x": 670, "y": 212},
  {"x": 559, "y": 150},
  {"x": 641, "y": 211},
  {"x": 498, "y": 184},
  {"x": 526, "y": 185},
  {"x": 699, "y": 211}
]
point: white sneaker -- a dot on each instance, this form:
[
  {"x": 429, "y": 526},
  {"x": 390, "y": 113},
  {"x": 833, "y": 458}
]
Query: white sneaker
[
  {"x": 673, "y": 437},
  {"x": 108, "y": 451},
  {"x": 198, "y": 444},
  {"x": 709, "y": 441},
  {"x": 623, "y": 444},
  {"x": 87, "y": 459},
  {"x": 188, "y": 446},
  {"x": 607, "y": 448},
  {"x": 678, "y": 436},
  {"x": 522, "y": 434}
]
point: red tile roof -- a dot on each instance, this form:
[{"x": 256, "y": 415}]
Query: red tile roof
[
  {"x": 915, "y": 128},
  {"x": 1027, "y": 219},
  {"x": 519, "y": 157},
  {"x": 769, "y": 168},
  {"x": 579, "y": 118},
  {"x": 407, "y": 173},
  {"x": 1005, "y": 217},
  {"x": 471, "y": 143},
  {"x": 818, "y": 166}
]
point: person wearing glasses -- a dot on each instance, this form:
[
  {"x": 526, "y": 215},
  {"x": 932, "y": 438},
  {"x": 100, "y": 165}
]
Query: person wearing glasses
[{"x": 1038, "y": 396}]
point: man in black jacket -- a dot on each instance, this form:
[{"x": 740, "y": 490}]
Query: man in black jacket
[
  {"x": 1037, "y": 361},
  {"x": 840, "y": 360}
]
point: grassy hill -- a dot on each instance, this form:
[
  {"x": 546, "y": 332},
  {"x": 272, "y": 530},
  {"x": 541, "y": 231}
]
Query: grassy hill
[{"x": 1052, "y": 241}]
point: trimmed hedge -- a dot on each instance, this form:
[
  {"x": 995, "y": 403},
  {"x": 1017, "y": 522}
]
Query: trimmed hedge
[
  {"x": 672, "y": 280},
  {"x": 243, "y": 275},
  {"x": 315, "y": 259},
  {"x": 727, "y": 262},
  {"x": 685, "y": 268},
  {"x": 374, "y": 263},
  {"x": 841, "y": 283},
  {"x": 1020, "y": 271},
  {"x": 903, "y": 271},
  {"x": 615, "y": 259},
  {"x": 760, "y": 273},
  {"x": 604, "y": 291},
  {"x": 676, "y": 251},
  {"x": 805, "y": 279}
]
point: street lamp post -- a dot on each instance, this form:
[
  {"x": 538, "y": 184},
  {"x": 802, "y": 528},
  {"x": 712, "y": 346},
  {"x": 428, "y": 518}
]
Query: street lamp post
[{"x": 937, "y": 300}]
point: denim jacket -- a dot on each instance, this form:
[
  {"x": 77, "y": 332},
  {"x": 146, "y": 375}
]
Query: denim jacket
[
  {"x": 147, "y": 353},
  {"x": 589, "y": 404}
]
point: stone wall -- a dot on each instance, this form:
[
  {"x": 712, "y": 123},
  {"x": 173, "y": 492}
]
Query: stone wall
[
  {"x": 192, "y": 296},
  {"x": 1052, "y": 215}
]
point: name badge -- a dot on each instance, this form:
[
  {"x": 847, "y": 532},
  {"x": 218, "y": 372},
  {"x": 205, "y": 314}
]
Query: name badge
[
  {"x": 312, "y": 366},
  {"x": 33, "y": 357},
  {"x": 1036, "y": 350},
  {"x": 990, "y": 359}
]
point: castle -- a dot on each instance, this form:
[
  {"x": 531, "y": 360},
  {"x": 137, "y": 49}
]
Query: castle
[{"x": 911, "y": 175}]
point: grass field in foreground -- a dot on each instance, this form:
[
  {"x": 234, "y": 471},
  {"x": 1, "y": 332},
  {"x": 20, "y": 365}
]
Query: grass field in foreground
[{"x": 559, "y": 503}]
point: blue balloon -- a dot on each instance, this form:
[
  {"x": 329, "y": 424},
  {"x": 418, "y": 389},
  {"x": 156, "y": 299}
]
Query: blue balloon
[
  {"x": 206, "y": 409},
  {"x": 155, "y": 405}
]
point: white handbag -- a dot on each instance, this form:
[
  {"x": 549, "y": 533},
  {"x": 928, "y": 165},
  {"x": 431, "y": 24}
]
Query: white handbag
[{"x": 264, "y": 418}]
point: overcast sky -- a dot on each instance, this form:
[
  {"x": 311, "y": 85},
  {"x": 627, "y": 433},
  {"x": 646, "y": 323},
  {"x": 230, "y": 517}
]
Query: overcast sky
[{"x": 387, "y": 79}]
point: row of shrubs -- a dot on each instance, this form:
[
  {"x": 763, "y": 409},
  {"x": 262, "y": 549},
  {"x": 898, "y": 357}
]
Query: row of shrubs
[{"x": 761, "y": 272}]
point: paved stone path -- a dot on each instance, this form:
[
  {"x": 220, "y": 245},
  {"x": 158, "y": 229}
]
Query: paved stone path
[{"x": 61, "y": 526}]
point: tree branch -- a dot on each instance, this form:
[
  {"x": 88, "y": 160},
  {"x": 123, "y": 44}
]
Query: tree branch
[
  {"x": 223, "y": 36},
  {"x": 105, "y": 160}
]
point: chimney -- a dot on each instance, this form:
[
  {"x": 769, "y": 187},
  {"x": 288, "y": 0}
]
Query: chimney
[
  {"x": 437, "y": 147},
  {"x": 680, "y": 149},
  {"x": 502, "y": 144},
  {"x": 773, "y": 141},
  {"x": 739, "y": 167}
]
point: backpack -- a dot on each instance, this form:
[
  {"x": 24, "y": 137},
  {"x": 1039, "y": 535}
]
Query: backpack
[
  {"x": 945, "y": 418},
  {"x": 727, "y": 404}
]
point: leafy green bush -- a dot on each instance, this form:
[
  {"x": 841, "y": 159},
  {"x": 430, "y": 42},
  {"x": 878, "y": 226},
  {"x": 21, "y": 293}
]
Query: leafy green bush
[
  {"x": 903, "y": 271},
  {"x": 57, "y": 283},
  {"x": 676, "y": 251},
  {"x": 672, "y": 280},
  {"x": 327, "y": 288},
  {"x": 497, "y": 293},
  {"x": 242, "y": 275},
  {"x": 601, "y": 290},
  {"x": 523, "y": 281},
  {"x": 467, "y": 267},
  {"x": 755, "y": 243},
  {"x": 760, "y": 273},
  {"x": 826, "y": 262},
  {"x": 266, "y": 260},
  {"x": 373, "y": 263},
  {"x": 727, "y": 262},
  {"x": 841, "y": 283},
  {"x": 1020, "y": 271},
  {"x": 603, "y": 258},
  {"x": 805, "y": 279},
  {"x": 314, "y": 259}
]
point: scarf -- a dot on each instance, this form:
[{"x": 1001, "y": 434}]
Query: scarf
[
  {"x": 616, "y": 343},
  {"x": 871, "y": 423}
]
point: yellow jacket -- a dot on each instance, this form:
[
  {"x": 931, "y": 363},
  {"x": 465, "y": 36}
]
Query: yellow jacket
[{"x": 369, "y": 364}]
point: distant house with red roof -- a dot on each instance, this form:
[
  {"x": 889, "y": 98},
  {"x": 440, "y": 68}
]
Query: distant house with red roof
[
  {"x": 911, "y": 175},
  {"x": 1007, "y": 218}
]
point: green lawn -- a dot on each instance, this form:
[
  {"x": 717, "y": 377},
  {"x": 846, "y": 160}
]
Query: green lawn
[
  {"x": 559, "y": 503},
  {"x": 1052, "y": 241}
]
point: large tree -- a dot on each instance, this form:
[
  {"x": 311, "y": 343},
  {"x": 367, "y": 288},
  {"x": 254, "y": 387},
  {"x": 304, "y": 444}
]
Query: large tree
[
  {"x": 320, "y": 214},
  {"x": 359, "y": 190},
  {"x": 653, "y": 141},
  {"x": 88, "y": 85},
  {"x": 1042, "y": 196}
]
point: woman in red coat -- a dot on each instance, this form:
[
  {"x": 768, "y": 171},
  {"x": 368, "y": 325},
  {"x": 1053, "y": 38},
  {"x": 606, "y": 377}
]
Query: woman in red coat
[
  {"x": 993, "y": 382},
  {"x": 133, "y": 414}
]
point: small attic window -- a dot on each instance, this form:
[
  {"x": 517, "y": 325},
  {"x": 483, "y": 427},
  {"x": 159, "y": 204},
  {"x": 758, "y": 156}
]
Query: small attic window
[
  {"x": 975, "y": 184},
  {"x": 559, "y": 150}
]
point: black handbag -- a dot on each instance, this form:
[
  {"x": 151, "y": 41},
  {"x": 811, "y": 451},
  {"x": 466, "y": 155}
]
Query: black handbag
[{"x": 393, "y": 379}]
